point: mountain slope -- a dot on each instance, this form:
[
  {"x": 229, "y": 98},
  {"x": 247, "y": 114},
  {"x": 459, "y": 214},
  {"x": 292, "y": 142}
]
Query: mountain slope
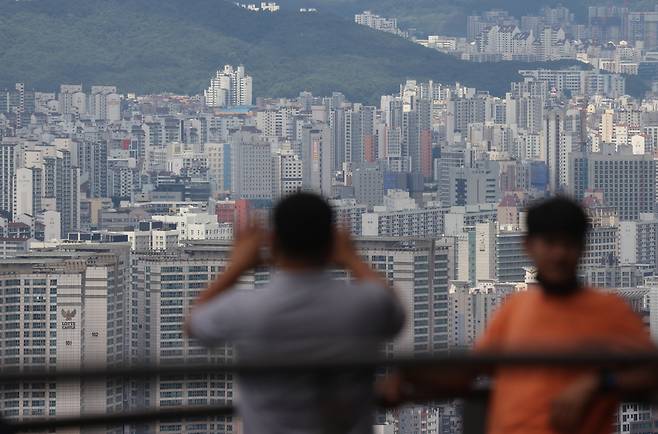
[
  {"x": 176, "y": 45},
  {"x": 449, "y": 16}
]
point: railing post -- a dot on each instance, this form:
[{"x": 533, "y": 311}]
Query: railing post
[
  {"x": 5, "y": 427},
  {"x": 474, "y": 414}
]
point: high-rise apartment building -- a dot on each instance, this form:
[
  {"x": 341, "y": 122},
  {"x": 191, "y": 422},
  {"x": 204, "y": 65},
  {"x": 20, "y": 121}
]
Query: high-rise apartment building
[
  {"x": 165, "y": 286},
  {"x": 642, "y": 28},
  {"x": 579, "y": 82},
  {"x": 401, "y": 217},
  {"x": 420, "y": 270},
  {"x": 638, "y": 241},
  {"x": 511, "y": 259},
  {"x": 388, "y": 25},
  {"x": 317, "y": 158},
  {"x": 61, "y": 190},
  {"x": 72, "y": 100},
  {"x": 8, "y": 163},
  {"x": 64, "y": 309},
  {"x": 28, "y": 193},
  {"x": 93, "y": 161},
  {"x": 229, "y": 87},
  {"x": 348, "y": 214},
  {"x": 104, "y": 103},
  {"x": 471, "y": 309}
]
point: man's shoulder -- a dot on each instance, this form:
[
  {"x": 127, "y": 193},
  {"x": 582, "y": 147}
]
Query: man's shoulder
[{"x": 606, "y": 298}]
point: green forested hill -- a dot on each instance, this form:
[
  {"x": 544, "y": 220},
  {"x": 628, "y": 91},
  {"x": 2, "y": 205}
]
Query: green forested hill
[
  {"x": 175, "y": 45},
  {"x": 449, "y": 16}
]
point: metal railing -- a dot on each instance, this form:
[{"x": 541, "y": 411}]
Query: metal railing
[{"x": 474, "y": 399}]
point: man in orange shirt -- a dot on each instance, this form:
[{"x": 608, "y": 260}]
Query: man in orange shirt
[{"x": 557, "y": 315}]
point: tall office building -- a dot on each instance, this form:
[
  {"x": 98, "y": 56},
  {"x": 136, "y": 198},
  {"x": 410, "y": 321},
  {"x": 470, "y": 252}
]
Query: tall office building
[
  {"x": 472, "y": 185},
  {"x": 287, "y": 173},
  {"x": 368, "y": 183},
  {"x": 251, "y": 165},
  {"x": 229, "y": 87}
]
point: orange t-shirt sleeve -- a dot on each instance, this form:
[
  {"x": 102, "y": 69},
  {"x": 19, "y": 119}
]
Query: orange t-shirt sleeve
[{"x": 493, "y": 337}]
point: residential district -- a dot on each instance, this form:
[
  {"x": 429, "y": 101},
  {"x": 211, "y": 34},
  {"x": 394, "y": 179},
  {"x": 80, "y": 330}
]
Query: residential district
[
  {"x": 118, "y": 209},
  {"x": 612, "y": 38}
]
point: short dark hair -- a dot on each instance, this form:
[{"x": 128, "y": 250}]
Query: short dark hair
[
  {"x": 559, "y": 216},
  {"x": 303, "y": 228}
]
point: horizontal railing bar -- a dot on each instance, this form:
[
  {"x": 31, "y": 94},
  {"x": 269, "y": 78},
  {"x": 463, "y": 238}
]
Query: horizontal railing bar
[
  {"x": 471, "y": 361},
  {"x": 123, "y": 418},
  {"x": 176, "y": 413}
]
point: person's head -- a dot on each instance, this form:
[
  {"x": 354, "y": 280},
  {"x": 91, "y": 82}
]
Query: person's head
[
  {"x": 557, "y": 230},
  {"x": 303, "y": 231}
]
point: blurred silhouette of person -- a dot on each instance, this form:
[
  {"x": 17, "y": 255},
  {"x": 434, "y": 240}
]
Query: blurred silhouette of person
[
  {"x": 558, "y": 314},
  {"x": 302, "y": 314}
]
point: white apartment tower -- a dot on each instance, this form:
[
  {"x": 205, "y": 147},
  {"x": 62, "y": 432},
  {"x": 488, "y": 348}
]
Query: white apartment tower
[
  {"x": 229, "y": 87},
  {"x": 105, "y": 103},
  {"x": 64, "y": 309},
  {"x": 165, "y": 287}
]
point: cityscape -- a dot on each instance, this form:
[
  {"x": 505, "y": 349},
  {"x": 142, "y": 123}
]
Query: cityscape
[{"x": 118, "y": 208}]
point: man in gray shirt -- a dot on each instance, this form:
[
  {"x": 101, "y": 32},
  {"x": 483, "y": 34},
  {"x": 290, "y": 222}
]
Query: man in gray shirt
[{"x": 302, "y": 315}]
